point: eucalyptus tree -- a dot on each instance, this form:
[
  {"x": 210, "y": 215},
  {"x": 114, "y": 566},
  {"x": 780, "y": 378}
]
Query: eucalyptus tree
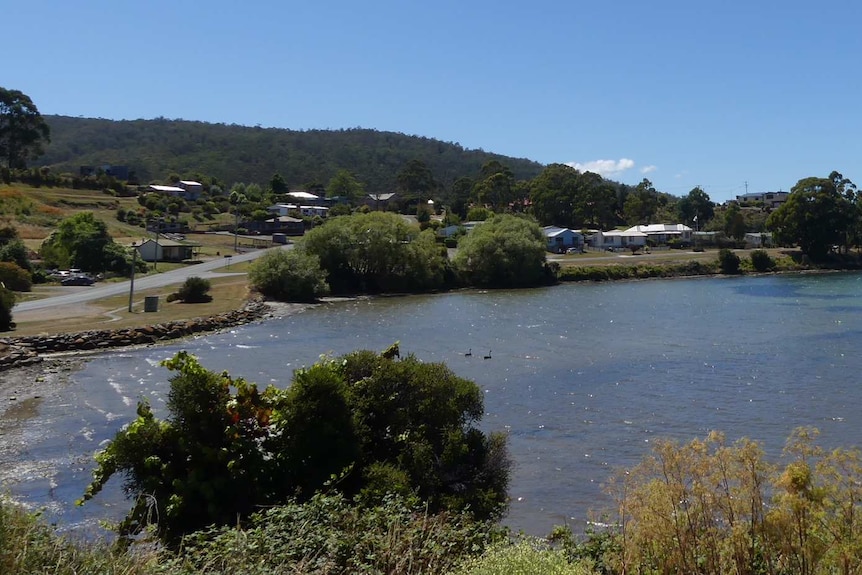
[{"x": 23, "y": 131}]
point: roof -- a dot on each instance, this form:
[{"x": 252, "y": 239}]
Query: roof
[
  {"x": 660, "y": 228},
  {"x": 303, "y": 195},
  {"x": 553, "y": 231},
  {"x": 172, "y": 189},
  {"x": 190, "y": 183},
  {"x": 629, "y": 233},
  {"x": 166, "y": 243},
  {"x": 381, "y": 197},
  {"x": 284, "y": 220}
]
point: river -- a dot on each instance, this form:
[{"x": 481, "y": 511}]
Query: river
[{"x": 582, "y": 377}]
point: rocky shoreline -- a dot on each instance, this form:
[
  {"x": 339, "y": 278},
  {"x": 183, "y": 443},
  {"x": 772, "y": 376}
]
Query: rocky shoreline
[{"x": 16, "y": 352}]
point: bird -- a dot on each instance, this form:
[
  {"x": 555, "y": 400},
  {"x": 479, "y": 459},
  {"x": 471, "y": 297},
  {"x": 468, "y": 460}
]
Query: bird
[
  {"x": 469, "y": 353},
  {"x": 487, "y": 356}
]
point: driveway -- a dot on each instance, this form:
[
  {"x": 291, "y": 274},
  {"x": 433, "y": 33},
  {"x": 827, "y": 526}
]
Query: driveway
[{"x": 82, "y": 295}]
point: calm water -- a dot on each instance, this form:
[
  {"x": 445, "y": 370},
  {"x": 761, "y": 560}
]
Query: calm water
[{"x": 583, "y": 377}]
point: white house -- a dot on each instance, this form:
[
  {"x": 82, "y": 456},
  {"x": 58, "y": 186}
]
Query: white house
[
  {"x": 560, "y": 239},
  {"x": 768, "y": 199},
  {"x": 663, "y": 233},
  {"x": 619, "y": 239},
  {"x": 758, "y": 240},
  {"x": 282, "y": 209},
  {"x": 165, "y": 250},
  {"x": 193, "y": 190}
]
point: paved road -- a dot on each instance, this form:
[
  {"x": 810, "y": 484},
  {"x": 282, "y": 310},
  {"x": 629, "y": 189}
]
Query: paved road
[{"x": 79, "y": 295}]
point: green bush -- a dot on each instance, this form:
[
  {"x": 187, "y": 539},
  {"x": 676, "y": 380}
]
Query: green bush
[
  {"x": 526, "y": 557},
  {"x": 194, "y": 290},
  {"x": 293, "y": 275},
  {"x": 728, "y": 261},
  {"x": 350, "y": 424},
  {"x": 7, "y": 300},
  {"x": 761, "y": 261},
  {"x": 14, "y": 277}
]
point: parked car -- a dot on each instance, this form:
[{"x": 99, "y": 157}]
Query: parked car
[
  {"x": 574, "y": 251},
  {"x": 80, "y": 280}
]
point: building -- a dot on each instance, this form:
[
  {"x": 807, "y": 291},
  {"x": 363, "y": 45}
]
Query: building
[
  {"x": 758, "y": 240},
  {"x": 768, "y": 199},
  {"x": 561, "y": 239},
  {"x": 284, "y": 225},
  {"x": 619, "y": 239},
  {"x": 380, "y": 201},
  {"x": 660, "y": 234},
  {"x": 193, "y": 189},
  {"x": 165, "y": 250}
]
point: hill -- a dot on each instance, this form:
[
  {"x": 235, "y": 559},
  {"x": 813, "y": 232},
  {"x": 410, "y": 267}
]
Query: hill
[{"x": 153, "y": 149}]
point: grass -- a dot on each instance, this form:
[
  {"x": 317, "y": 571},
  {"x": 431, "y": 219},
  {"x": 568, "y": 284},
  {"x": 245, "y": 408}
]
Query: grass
[{"x": 229, "y": 293}]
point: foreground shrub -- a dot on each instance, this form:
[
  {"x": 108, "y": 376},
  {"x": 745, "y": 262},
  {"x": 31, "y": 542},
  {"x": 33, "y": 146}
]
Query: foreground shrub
[
  {"x": 29, "y": 546},
  {"x": 728, "y": 261},
  {"x": 366, "y": 424},
  {"x": 15, "y": 277},
  {"x": 194, "y": 290},
  {"x": 527, "y": 557},
  {"x": 761, "y": 261},
  {"x": 329, "y": 534},
  {"x": 293, "y": 275}
]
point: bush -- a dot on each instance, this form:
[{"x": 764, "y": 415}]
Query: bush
[
  {"x": 194, "y": 290},
  {"x": 728, "y": 261},
  {"x": 14, "y": 277},
  {"x": 761, "y": 261},
  {"x": 349, "y": 423},
  {"x": 7, "y": 300},
  {"x": 526, "y": 557},
  {"x": 293, "y": 275}
]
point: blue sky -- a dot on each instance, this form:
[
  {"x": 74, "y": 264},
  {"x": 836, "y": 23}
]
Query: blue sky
[{"x": 685, "y": 93}]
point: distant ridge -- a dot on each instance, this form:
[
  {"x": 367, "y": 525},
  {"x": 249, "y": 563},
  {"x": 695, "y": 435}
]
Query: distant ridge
[{"x": 156, "y": 148}]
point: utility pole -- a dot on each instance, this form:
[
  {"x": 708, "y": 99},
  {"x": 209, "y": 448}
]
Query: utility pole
[{"x": 132, "y": 281}]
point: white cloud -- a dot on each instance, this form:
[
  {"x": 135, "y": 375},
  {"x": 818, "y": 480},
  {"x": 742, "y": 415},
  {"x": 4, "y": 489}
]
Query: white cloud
[
  {"x": 648, "y": 169},
  {"x": 604, "y": 168}
]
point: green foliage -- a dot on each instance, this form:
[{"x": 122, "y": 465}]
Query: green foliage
[
  {"x": 619, "y": 272},
  {"x": 22, "y": 129},
  {"x": 563, "y": 196},
  {"x": 505, "y": 251},
  {"x": 526, "y": 557},
  {"x": 7, "y": 301},
  {"x": 728, "y": 261},
  {"x": 761, "y": 260},
  {"x": 195, "y": 290},
  {"x": 377, "y": 252},
  {"x": 344, "y": 185},
  {"x": 14, "y": 251},
  {"x": 819, "y": 213},
  {"x": 478, "y": 214},
  {"x": 346, "y": 423},
  {"x": 15, "y": 277},
  {"x": 641, "y": 204},
  {"x": 80, "y": 241},
  {"x": 293, "y": 275}
]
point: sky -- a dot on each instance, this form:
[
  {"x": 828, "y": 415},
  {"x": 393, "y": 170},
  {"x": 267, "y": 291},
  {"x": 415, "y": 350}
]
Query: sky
[{"x": 731, "y": 96}]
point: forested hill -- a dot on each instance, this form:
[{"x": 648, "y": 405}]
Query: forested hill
[{"x": 154, "y": 149}]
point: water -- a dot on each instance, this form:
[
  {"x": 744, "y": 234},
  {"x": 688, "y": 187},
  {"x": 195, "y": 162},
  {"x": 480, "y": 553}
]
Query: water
[{"x": 582, "y": 378}]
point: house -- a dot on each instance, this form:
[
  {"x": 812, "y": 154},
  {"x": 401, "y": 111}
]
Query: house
[
  {"x": 758, "y": 240},
  {"x": 282, "y": 209},
  {"x": 305, "y": 197},
  {"x": 377, "y": 201},
  {"x": 663, "y": 233},
  {"x": 561, "y": 239},
  {"x": 768, "y": 199},
  {"x": 166, "y": 250},
  {"x": 193, "y": 189},
  {"x": 168, "y": 190},
  {"x": 284, "y": 225},
  {"x": 615, "y": 239}
]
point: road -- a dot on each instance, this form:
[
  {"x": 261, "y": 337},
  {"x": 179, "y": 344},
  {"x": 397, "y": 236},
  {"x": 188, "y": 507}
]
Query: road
[{"x": 82, "y": 295}]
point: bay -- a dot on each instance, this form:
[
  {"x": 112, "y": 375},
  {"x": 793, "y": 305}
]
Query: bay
[{"x": 582, "y": 378}]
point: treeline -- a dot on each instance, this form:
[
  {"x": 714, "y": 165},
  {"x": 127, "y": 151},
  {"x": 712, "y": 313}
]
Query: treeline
[{"x": 231, "y": 153}]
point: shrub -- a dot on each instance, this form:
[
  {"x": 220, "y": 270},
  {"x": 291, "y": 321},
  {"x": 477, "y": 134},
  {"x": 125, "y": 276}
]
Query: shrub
[
  {"x": 728, "y": 261},
  {"x": 526, "y": 557},
  {"x": 761, "y": 261},
  {"x": 293, "y": 275},
  {"x": 194, "y": 290},
  {"x": 7, "y": 300},
  {"x": 15, "y": 277},
  {"x": 345, "y": 423}
]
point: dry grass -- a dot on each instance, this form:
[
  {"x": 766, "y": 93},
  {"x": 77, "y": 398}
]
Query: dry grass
[{"x": 228, "y": 293}]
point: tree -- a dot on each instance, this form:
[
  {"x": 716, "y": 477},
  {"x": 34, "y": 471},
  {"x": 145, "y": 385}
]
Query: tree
[
  {"x": 7, "y": 301},
  {"x": 819, "y": 213},
  {"x": 364, "y": 424},
  {"x": 79, "y": 241},
  {"x": 23, "y": 131},
  {"x": 278, "y": 185},
  {"x": 293, "y": 275},
  {"x": 416, "y": 181},
  {"x": 641, "y": 204},
  {"x": 552, "y": 194},
  {"x": 195, "y": 290},
  {"x": 344, "y": 184},
  {"x": 377, "y": 252},
  {"x": 505, "y": 251},
  {"x": 734, "y": 222},
  {"x": 696, "y": 208}
]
